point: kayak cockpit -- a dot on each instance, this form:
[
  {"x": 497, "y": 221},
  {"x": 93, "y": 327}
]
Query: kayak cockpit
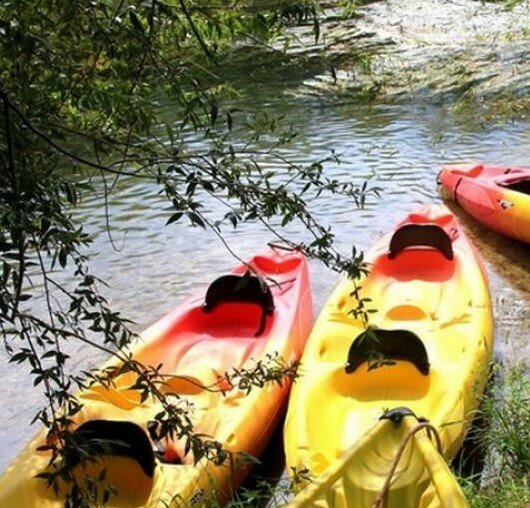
[
  {"x": 112, "y": 463},
  {"x": 230, "y": 319},
  {"x": 521, "y": 185},
  {"x": 400, "y": 381},
  {"x": 384, "y": 364},
  {"x": 415, "y": 264},
  {"x": 242, "y": 290},
  {"x": 418, "y": 250}
]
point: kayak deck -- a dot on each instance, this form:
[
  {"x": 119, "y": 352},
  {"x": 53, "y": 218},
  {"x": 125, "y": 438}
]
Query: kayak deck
[{"x": 421, "y": 478}]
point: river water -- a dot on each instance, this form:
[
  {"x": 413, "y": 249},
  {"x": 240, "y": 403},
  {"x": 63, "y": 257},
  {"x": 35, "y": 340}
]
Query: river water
[{"x": 150, "y": 267}]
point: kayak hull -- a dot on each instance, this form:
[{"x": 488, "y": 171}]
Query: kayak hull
[
  {"x": 496, "y": 196},
  {"x": 196, "y": 349},
  {"x": 417, "y": 293}
]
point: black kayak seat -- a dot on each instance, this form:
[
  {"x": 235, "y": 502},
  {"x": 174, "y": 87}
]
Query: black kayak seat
[
  {"x": 421, "y": 235},
  {"x": 241, "y": 288},
  {"x": 380, "y": 345},
  {"x": 120, "y": 438}
]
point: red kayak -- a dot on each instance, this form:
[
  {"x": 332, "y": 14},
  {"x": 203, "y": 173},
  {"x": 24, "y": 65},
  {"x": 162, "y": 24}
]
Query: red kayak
[{"x": 497, "y": 196}]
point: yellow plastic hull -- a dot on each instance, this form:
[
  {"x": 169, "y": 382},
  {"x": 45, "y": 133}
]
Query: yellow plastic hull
[{"x": 446, "y": 304}]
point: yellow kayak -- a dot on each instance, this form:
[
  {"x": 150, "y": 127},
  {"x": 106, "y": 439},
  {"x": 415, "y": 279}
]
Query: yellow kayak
[
  {"x": 428, "y": 349},
  {"x": 236, "y": 323}
]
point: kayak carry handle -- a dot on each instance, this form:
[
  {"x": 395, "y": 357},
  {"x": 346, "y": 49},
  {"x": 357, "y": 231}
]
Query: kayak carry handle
[
  {"x": 380, "y": 345},
  {"x": 397, "y": 414},
  {"x": 121, "y": 438},
  {"x": 240, "y": 288},
  {"x": 428, "y": 235}
]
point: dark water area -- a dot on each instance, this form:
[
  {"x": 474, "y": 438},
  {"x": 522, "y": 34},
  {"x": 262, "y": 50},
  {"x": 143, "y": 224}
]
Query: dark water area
[{"x": 150, "y": 267}]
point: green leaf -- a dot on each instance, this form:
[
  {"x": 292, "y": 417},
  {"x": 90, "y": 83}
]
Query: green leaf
[
  {"x": 174, "y": 217},
  {"x": 196, "y": 219},
  {"x": 170, "y": 133},
  {"x": 63, "y": 258},
  {"x": 135, "y": 21}
]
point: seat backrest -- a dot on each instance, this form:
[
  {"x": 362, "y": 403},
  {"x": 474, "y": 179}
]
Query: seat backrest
[
  {"x": 240, "y": 288},
  {"x": 121, "y": 438},
  {"x": 382, "y": 346},
  {"x": 419, "y": 235}
]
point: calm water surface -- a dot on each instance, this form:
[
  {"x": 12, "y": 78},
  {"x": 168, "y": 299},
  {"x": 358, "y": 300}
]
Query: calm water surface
[{"x": 402, "y": 146}]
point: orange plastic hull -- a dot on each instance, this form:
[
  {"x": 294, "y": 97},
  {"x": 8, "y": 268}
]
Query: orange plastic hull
[{"x": 196, "y": 348}]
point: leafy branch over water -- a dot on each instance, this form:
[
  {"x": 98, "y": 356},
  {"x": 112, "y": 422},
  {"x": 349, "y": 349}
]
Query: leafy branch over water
[{"x": 90, "y": 74}]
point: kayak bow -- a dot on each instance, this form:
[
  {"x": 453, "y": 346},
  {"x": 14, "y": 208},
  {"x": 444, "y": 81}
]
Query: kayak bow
[{"x": 418, "y": 466}]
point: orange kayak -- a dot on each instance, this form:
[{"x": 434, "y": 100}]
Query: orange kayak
[
  {"x": 497, "y": 196},
  {"x": 236, "y": 323}
]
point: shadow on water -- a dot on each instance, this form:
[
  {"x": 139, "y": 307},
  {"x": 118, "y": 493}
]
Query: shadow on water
[{"x": 471, "y": 459}]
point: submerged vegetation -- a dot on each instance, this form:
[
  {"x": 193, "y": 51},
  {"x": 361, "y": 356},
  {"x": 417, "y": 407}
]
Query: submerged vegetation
[{"x": 471, "y": 55}]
